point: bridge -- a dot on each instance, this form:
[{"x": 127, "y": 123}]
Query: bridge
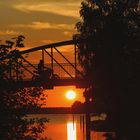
[
  {"x": 60, "y": 73},
  {"x": 54, "y": 73}
]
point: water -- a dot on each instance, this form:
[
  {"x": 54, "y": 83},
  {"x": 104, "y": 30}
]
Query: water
[{"x": 67, "y": 127}]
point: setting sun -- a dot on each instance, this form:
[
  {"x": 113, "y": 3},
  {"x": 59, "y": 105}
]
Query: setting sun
[{"x": 70, "y": 94}]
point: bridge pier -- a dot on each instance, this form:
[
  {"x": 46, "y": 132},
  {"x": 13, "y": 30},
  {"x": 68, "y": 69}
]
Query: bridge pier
[{"x": 87, "y": 118}]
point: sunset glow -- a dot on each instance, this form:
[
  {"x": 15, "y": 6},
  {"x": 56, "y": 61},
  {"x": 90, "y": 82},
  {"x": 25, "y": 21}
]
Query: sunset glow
[
  {"x": 71, "y": 131},
  {"x": 57, "y": 96},
  {"x": 70, "y": 94},
  {"x": 44, "y": 22}
]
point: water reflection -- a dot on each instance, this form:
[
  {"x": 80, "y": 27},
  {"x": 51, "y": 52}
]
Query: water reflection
[
  {"x": 71, "y": 131},
  {"x": 67, "y": 127}
]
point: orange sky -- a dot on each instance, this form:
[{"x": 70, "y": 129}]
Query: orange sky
[
  {"x": 42, "y": 22},
  {"x": 57, "y": 96}
]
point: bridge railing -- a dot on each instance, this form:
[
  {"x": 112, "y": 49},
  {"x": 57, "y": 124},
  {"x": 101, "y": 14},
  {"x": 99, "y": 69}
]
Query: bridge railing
[{"x": 56, "y": 70}]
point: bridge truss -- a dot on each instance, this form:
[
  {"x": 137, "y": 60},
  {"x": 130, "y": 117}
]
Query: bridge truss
[{"x": 70, "y": 72}]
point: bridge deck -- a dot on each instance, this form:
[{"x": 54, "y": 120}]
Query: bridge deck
[{"x": 49, "y": 84}]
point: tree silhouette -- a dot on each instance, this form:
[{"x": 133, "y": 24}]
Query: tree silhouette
[
  {"x": 110, "y": 57},
  {"x": 16, "y": 102}
]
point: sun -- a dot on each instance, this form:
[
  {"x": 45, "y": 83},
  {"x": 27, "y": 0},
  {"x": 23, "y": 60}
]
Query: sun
[{"x": 70, "y": 94}]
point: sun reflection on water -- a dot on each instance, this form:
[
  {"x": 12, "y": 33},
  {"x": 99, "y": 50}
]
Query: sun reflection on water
[{"x": 71, "y": 131}]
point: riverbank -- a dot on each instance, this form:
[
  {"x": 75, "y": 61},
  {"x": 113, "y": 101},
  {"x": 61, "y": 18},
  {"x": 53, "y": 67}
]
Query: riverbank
[{"x": 60, "y": 110}]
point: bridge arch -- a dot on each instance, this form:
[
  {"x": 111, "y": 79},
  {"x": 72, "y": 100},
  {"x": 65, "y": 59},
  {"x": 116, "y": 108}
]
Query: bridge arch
[{"x": 72, "y": 79}]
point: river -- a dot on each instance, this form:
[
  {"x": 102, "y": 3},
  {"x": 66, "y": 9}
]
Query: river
[{"x": 67, "y": 127}]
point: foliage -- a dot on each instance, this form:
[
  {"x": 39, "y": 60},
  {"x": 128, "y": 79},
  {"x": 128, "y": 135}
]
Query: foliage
[
  {"x": 110, "y": 56},
  {"x": 16, "y": 102}
]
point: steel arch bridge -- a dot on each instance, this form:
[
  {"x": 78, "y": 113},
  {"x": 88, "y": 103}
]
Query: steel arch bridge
[{"x": 70, "y": 72}]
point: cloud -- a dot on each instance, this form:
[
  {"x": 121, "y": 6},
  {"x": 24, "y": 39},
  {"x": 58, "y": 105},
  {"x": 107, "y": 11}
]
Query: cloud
[
  {"x": 9, "y": 32},
  {"x": 69, "y": 49},
  {"x": 70, "y": 9},
  {"x": 67, "y": 33},
  {"x": 46, "y": 41},
  {"x": 44, "y": 25}
]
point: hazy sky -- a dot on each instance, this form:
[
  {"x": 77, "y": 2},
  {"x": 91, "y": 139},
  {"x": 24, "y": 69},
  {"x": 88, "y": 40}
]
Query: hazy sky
[{"x": 41, "y": 21}]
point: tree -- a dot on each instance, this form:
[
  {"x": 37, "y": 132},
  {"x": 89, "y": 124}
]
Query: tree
[
  {"x": 77, "y": 105},
  {"x": 16, "y": 102},
  {"x": 110, "y": 56}
]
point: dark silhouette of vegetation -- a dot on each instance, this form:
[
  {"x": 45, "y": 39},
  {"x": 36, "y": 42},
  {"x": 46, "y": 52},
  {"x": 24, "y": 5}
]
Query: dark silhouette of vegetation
[
  {"x": 109, "y": 136},
  {"x": 78, "y": 106},
  {"x": 16, "y": 102},
  {"x": 110, "y": 57}
]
